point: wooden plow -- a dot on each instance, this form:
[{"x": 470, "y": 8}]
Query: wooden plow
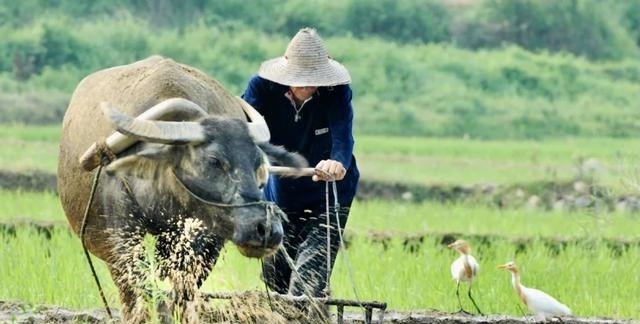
[{"x": 340, "y": 304}]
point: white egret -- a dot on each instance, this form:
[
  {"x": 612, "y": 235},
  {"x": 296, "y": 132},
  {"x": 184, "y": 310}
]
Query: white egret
[
  {"x": 542, "y": 305},
  {"x": 465, "y": 268}
]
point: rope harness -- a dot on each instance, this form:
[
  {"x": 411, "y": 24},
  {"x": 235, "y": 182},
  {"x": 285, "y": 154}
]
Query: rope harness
[
  {"x": 216, "y": 203},
  {"x": 83, "y": 229},
  {"x": 106, "y": 155}
]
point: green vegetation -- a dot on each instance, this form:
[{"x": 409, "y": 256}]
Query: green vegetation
[
  {"x": 579, "y": 277},
  {"x": 401, "y": 219},
  {"x": 30, "y": 147},
  {"x": 406, "y": 90},
  {"x": 398, "y": 219},
  {"x": 596, "y": 29},
  {"x": 30, "y": 206},
  {"x": 49, "y": 134},
  {"x": 608, "y": 162},
  {"x": 54, "y": 271},
  {"x": 419, "y": 68},
  {"x": 49, "y": 271}
]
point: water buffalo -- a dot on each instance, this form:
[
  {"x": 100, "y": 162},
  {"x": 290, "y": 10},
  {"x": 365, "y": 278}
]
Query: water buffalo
[{"x": 187, "y": 171}]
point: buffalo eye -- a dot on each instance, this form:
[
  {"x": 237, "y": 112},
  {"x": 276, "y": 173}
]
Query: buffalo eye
[{"x": 216, "y": 163}]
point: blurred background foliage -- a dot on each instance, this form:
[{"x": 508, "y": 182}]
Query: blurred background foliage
[{"x": 489, "y": 69}]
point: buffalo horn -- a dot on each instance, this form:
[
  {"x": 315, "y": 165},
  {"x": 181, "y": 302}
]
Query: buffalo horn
[
  {"x": 258, "y": 128},
  {"x": 170, "y": 109},
  {"x": 155, "y": 131}
]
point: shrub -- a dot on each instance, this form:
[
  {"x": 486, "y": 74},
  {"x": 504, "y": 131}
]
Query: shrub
[{"x": 584, "y": 28}]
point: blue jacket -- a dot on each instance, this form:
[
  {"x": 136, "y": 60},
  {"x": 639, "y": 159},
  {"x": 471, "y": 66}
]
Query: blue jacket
[{"x": 323, "y": 131}]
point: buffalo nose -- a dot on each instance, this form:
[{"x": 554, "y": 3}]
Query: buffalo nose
[
  {"x": 261, "y": 234},
  {"x": 273, "y": 234}
]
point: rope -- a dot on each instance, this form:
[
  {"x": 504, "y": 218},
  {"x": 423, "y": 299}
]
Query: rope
[
  {"x": 342, "y": 246},
  {"x": 84, "y": 246},
  {"x": 336, "y": 208},
  {"x": 216, "y": 203},
  {"x": 225, "y": 205},
  {"x": 104, "y": 152},
  {"x": 341, "y": 240},
  {"x": 340, "y": 237},
  {"x": 266, "y": 288},
  {"x": 326, "y": 199}
]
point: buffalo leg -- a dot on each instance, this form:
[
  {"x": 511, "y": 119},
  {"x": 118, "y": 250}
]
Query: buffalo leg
[
  {"x": 129, "y": 275},
  {"x": 186, "y": 254}
]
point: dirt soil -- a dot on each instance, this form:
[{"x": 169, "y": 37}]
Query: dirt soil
[{"x": 18, "y": 313}]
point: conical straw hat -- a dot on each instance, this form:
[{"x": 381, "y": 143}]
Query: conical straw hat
[{"x": 306, "y": 63}]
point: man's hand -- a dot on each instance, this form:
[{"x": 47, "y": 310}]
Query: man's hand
[{"x": 329, "y": 170}]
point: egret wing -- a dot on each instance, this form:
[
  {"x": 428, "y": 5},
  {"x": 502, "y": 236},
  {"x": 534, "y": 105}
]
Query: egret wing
[
  {"x": 475, "y": 266},
  {"x": 542, "y": 303}
]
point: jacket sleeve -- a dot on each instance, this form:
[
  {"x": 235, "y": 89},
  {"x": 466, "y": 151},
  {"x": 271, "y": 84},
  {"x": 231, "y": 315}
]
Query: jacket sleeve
[
  {"x": 252, "y": 94},
  {"x": 341, "y": 125}
]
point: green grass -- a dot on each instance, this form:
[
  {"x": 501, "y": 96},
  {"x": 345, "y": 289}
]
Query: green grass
[
  {"x": 429, "y": 217},
  {"x": 464, "y": 161},
  {"x": 32, "y": 206},
  {"x": 404, "y": 218},
  {"x": 582, "y": 279},
  {"x": 37, "y": 133},
  {"x": 591, "y": 282},
  {"x": 589, "y": 278},
  {"x": 37, "y": 270},
  {"x": 29, "y": 147},
  {"x": 611, "y": 162}
]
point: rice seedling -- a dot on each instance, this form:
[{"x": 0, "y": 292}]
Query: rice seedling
[{"x": 592, "y": 278}]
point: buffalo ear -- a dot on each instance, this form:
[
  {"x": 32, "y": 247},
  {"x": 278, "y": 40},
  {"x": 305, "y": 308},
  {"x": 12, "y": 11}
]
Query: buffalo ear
[
  {"x": 278, "y": 155},
  {"x": 144, "y": 164}
]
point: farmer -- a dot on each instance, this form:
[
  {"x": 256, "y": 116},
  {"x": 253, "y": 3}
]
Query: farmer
[{"x": 306, "y": 100}]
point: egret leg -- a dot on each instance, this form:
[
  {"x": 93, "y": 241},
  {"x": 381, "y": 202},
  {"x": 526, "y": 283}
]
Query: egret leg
[
  {"x": 474, "y": 302},
  {"x": 459, "y": 301}
]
